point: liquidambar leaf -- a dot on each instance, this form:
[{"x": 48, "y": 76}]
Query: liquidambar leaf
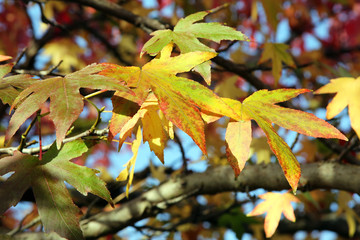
[
  {"x": 262, "y": 103},
  {"x": 276, "y": 52},
  {"x": 347, "y": 94},
  {"x": 66, "y": 102},
  {"x": 185, "y": 35},
  {"x": 46, "y": 178},
  {"x": 274, "y": 205},
  {"x": 179, "y": 98},
  {"x": 260, "y": 106}
]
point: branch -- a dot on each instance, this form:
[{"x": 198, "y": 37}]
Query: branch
[
  {"x": 147, "y": 24},
  {"x": 220, "y": 179},
  {"x": 270, "y": 177},
  {"x": 31, "y": 151}
]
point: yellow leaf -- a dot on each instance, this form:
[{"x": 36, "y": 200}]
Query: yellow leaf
[
  {"x": 274, "y": 205},
  {"x": 260, "y": 147},
  {"x": 66, "y": 50},
  {"x": 350, "y": 215},
  {"x": 238, "y": 139},
  {"x": 130, "y": 165},
  {"x": 227, "y": 88},
  {"x": 347, "y": 94},
  {"x": 153, "y": 132}
]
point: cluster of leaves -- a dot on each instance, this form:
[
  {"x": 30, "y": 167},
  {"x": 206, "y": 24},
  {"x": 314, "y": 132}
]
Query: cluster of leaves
[{"x": 151, "y": 100}]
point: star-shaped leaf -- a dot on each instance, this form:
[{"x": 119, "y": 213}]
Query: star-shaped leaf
[
  {"x": 274, "y": 205},
  {"x": 347, "y": 94},
  {"x": 46, "y": 178},
  {"x": 66, "y": 102},
  {"x": 179, "y": 98},
  {"x": 260, "y": 106},
  {"x": 276, "y": 52},
  {"x": 185, "y": 35}
]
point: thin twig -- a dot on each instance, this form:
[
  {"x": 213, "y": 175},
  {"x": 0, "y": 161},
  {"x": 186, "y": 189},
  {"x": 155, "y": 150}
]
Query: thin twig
[
  {"x": 353, "y": 141},
  {"x": 182, "y": 150},
  {"x": 295, "y": 141},
  {"x": 36, "y": 150}
]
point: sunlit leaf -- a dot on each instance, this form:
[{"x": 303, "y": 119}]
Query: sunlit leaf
[
  {"x": 347, "y": 94},
  {"x": 274, "y": 205}
]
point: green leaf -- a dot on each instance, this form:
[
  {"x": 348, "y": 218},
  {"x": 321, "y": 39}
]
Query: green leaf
[
  {"x": 11, "y": 86},
  {"x": 276, "y": 52},
  {"x": 186, "y": 34},
  {"x": 46, "y": 178},
  {"x": 66, "y": 102}
]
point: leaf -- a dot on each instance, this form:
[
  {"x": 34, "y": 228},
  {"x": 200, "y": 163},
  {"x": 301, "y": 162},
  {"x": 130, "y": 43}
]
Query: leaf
[
  {"x": 46, "y": 178},
  {"x": 238, "y": 140},
  {"x": 274, "y": 205},
  {"x": 260, "y": 106},
  {"x": 350, "y": 214},
  {"x": 128, "y": 172},
  {"x": 179, "y": 98},
  {"x": 11, "y": 86},
  {"x": 123, "y": 111},
  {"x": 153, "y": 129},
  {"x": 260, "y": 148},
  {"x": 65, "y": 50},
  {"x": 4, "y": 58},
  {"x": 276, "y": 52},
  {"x": 272, "y": 10},
  {"x": 262, "y": 103},
  {"x": 185, "y": 35},
  {"x": 66, "y": 102},
  {"x": 347, "y": 94}
]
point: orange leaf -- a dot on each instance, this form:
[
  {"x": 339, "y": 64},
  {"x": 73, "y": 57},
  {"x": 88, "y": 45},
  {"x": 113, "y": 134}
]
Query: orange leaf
[
  {"x": 274, "y": 205},
  {"x": 4, "y": 58}
]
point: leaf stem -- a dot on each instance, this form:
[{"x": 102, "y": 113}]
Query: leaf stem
[
  {"x": 24, "y": 135},
  {"x": 98, "y": 119},
  {"x": 94, "y": 94},
  {"x": 40, "y": 142}
]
